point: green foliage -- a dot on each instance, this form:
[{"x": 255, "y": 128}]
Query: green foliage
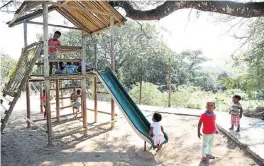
[
  {"x": 150, "y": 94},
  {"x": 7, "y": 64}
]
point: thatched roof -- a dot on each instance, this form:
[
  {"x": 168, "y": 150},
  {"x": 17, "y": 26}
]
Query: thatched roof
[{"x": 90, "y": 16}]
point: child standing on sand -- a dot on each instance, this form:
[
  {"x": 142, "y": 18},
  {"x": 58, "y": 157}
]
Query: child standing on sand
[
  {"x": 236, "y": 112},
  {"x": 76, "y": 102},
  {"x": 156, "y": 131},
  {"x": 209, "y": 130}
]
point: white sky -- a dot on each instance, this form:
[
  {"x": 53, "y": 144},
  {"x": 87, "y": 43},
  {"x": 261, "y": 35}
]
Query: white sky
[{"x": 182, "y": 33}]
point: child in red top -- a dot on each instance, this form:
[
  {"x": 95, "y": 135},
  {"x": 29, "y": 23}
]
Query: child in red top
[
  {"x": 53, "y": 51},
  {"x": 209, "y": 131}
]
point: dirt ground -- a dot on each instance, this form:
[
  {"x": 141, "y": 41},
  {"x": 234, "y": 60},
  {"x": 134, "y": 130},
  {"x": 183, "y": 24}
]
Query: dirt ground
[{"x": 105, "y": 147}]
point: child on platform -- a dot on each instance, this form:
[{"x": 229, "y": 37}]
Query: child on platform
[
  {"x": 156, "y": 131},
  {"x": 209, "y": 130},
  {"x": 43, "y": 100},
  {"x": 53, "y": 51},
  {"x": 236, "y": 112}
]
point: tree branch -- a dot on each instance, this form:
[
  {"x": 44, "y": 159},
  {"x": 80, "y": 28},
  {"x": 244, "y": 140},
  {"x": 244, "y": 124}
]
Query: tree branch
[{"x": 246, "y": 10}]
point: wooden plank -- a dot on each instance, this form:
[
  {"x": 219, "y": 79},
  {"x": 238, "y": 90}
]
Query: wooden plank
[
  {"x": 53, "y": 25},
  {"x": 102, "y": 92},
  {"x": 83, "y": 84},
  {"x": 6, "y": 99},
  {"x": 46, "y": 71},
  {"x": 102, "y": 112},
  {"x": 28, "y": 102},
  {"x": 40, "y": 98},
  {"x": 61, "y": 92},
  {"x": 17, "y": 15},
  {"x": 65, "y": 60},
  {"x": 57, "y": 100},
  {"x": 65, "y": 115}
]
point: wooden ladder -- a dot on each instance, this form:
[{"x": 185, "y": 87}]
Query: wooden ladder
[{"x": 17, "y": 81}]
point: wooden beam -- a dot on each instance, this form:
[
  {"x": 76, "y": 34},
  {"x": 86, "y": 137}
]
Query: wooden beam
[
  {"x": 101, "y": 124},
  {"x": 30, "y": 16},
  {"x": 70, "y": 114},
  {"x": 61, "y": 91},
  {"x": 57, "y": 100},
  {"x": 102, "y": 112},
  {"x": 112, "y": 65},
  {"x": 28, "y": 102},
  {"x": 53, "y": 25},
  {"x": 40, "y": 97},
  {"x": 83, "y": 84},
  {"x": 17, "y": 15},
  {"x": 46, "y": 71},
  {"x": 65, "y": 60}
]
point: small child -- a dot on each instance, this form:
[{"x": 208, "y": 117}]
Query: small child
[
  {"x": 53, "y": 51},
  {"x": 77, "y": 101},
  {"x": 209, "y": 130},
  {"x": 156, "y": 131},
  {"x": 236, "y": 112},
  {"x": 43, "y": 100}
]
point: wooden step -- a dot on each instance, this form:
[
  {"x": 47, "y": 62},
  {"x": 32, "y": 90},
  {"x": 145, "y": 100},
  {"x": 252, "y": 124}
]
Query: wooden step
[{"x": 5, "y": 99}]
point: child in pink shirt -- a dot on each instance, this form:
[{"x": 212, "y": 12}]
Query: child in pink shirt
[{"x": 53, "y": 51}]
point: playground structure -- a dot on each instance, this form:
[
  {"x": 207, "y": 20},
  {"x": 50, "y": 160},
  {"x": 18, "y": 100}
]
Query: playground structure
[{"x": 90, "y": 17}]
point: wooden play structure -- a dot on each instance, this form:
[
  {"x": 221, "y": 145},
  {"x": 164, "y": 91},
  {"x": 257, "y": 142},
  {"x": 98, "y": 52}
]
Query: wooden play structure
[{"x": 90, "y": 17}]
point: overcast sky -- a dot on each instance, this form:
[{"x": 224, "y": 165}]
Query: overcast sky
[{"x": 182, "y": 33}]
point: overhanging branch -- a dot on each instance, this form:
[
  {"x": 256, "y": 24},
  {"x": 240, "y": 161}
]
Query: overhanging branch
[{"x": 246, "y": 10}]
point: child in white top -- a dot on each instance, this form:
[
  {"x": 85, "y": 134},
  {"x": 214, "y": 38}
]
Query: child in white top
[{"x": 156, "y": 131}]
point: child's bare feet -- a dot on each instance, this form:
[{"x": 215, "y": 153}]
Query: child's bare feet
[
  {"x": 231, "y": 128},
  {"x": 204, "y": 160},
  {"x": 159, "y": 147}
]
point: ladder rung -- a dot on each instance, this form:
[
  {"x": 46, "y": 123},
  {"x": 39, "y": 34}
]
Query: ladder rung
[
  {"x": 99, "y": 82},
  {"x": 3, "y": 107},
  {"x": 6, "y": 112},
  {"x": 2, "y": 120},
  {"x": 103, "y": 92}
]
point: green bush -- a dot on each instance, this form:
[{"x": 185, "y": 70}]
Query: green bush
[
  {"x": 191, "y": 97},
  {"x": 150, "y": 94}
]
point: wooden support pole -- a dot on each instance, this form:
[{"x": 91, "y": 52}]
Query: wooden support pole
[
  {"x": 57, "y": 100},
  {"x": 83, "y": 85},
  {"x": 169, "y": 82},
  {"x": 53, "y": 25},
  {"x": 46, "y": 71},
  {"x": 61, "y": 93},
  {"x": 95, "y": 100},
  {"x": 25, "y": 34},
  {"x": 28, "y": 102},
  {"x": 95, "y": 86},
  {"x": 112, "y": 65},
  {"x": 140, "y": 89},
  {"x": 40, "y": 97},
  {"x": 145, "y": 146}
]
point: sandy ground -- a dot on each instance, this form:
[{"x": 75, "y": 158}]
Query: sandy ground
[{"x": 105, "y": 147}]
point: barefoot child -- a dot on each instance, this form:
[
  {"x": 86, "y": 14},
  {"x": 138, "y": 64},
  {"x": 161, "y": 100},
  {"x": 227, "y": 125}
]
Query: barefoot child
[
  {"x": 209, "y": 131},
  {"x": 156, "y": 131},
  {"x": 43, "y": 100},
  {"x": 236, "y": 113},
  {"x": 77, "y": 101}
]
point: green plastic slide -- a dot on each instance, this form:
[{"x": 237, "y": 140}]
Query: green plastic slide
[{"x": 130, "y": 110}]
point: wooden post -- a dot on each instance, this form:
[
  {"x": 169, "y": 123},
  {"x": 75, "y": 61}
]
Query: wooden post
[
  {"x": 95, "y": 86},
  {"x": 140, "y": 89},
  {"x": 41, "y": 94},
  {"x": 112, "y": 65},
  {"x": 46, "y": 71},
  {"x": 95, "y": 100},
  {"x": 145, "y": 146},
  {"x": 57, "y": 100},
  {"x": 169, "y": 82},
  {"x": 25, "y": 34},
  {"x": 83, "y": 85},
  {"x": 61, "y": 93},
  {"x": 28, "y": 102}
]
